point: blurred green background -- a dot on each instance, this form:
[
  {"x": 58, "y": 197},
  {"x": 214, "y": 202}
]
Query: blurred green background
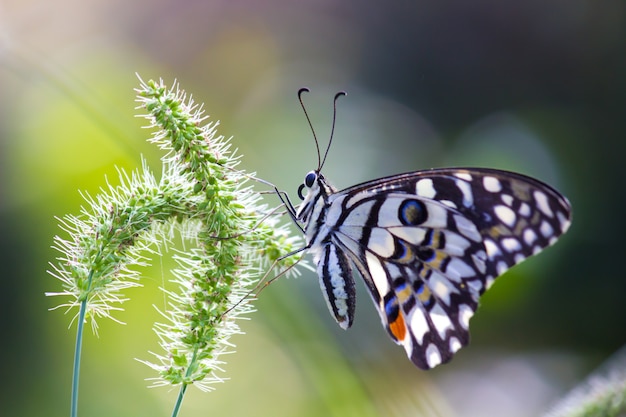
[{"x": 537, "y": 87}]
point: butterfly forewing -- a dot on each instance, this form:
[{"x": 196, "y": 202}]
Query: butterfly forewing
[{"x": 427, "y": 245}]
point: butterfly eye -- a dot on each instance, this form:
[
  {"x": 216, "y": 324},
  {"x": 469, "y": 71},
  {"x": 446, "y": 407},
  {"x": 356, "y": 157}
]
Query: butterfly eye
[{"x": 310, "y": 178}]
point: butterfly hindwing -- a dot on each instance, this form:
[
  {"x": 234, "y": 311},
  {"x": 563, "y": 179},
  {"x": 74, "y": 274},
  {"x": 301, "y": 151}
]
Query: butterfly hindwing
[
  {"x": 427, "y": 245},
  {"x": 413, "y": 262}
]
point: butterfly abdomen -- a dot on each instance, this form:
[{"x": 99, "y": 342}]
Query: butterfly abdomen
[{"x": 337, "y": 284}]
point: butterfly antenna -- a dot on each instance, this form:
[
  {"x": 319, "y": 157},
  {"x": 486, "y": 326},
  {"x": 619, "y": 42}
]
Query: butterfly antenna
[
  {"x": 332, "y": 130},
  {"x": 308, "y": 119}
]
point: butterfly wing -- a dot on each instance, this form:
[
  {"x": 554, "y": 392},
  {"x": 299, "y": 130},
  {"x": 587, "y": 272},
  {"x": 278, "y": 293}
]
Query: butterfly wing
[{"x": 429, "y": 243}]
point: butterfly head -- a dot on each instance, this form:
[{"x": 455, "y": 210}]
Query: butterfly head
[
  {"x": 314, "y": 192},
  {"x": 310, "y": 181}
]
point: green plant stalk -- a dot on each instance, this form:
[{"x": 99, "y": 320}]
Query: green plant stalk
[
  {"x": 77, "y": 353},
  {"x": 182, "y": 390},
  {"x": 206, "y": 198},
  {"x": 179, "y": 399}
]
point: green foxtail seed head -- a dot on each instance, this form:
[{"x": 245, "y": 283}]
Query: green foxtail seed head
[{"x": 203, "y": 195}]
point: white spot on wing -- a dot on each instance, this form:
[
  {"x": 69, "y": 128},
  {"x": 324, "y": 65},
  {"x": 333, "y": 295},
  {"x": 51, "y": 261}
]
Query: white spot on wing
[
  {"x": 511, "y": 244},
  {"x": 491, "y": 248},
  {"x": 441, "y": 286},
  {"x": 476, "y": 286},
  {"x": 463, "y": 175},
  {"x": 479, "y": 259},
  {"x": 413, "y": 235},
  {"x": 381, "y": 242},
  {"x": 467, "y": 228},
  {"x": 507, "y": 199},
  {"x": 437, "y": 216},
  {"x": 418, "y": 325},
  {"x": 545, "y": 229},
  {"x": 542, "y": 203},
  {"x": 524, "y": 210},
  {"x": 492, "y": 184},
  {"x": 357, "y": 216},
  {"x": 394, "y": 271},
  {"x": 408, "y": 345},
  {"x": 347, "y": 241},
  {"x": 355, "y": 199},
  {"x": 455, "y": 345},
  {"x": 377, "y": 272},
  {"x": 563, "y": 221},
  {"x": 465, "y": 314},
  {"x": 433, "y": 357},
  {"x": 501, "y": 267},
  {"x": 455, "y": 244},
  {"x": 388, "y": 213},
  {"x": 424, "y": 188},
  {"x": 529, "y": 236},
  {"x": 440, "y": 320},
  {"x": 489, "y": 282},
  {"x": 457, "y": 268},
  {"x": 353, "y": 232},
  {"x": 506, "y": 215},
  {"x": 468, "y": 197}
]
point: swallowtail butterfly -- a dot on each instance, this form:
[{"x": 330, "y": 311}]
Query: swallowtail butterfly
[{"x": 426, "y": 243}]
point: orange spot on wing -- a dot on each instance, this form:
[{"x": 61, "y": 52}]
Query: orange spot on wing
[{"x": 398, "y": 328}]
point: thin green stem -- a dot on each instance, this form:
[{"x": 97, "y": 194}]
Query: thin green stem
[
  {"x": 183, "y": 388},
  {"x": 179, "y": 400},
  {"x": 79, "y": 347},
  {"x": 77, "y": 352}
]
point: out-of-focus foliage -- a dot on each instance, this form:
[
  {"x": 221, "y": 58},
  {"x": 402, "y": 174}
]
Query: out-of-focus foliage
[{"x": 536, "y": 87}]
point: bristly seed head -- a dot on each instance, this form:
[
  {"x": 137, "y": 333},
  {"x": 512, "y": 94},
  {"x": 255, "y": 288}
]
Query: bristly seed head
[{"x": 202, "y": 195}]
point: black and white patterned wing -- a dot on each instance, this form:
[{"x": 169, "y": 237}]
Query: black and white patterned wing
[{"x": 429, "y": 243}]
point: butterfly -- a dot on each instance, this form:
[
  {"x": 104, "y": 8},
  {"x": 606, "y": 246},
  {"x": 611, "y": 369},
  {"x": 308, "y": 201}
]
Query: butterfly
[{"x": 427, "y": 245}]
